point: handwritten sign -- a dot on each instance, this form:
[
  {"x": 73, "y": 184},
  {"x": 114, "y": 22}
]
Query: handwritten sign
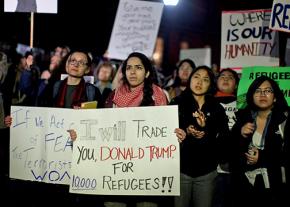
[
  {"x": 280, "y": 15},
  {"x": 247, "y": 40},
  {"x": 127, "y": 151},
  {"x": 135, "y": 28},
  {"x": 40, "y": 146},
  {"x": 280, "y": 74}
]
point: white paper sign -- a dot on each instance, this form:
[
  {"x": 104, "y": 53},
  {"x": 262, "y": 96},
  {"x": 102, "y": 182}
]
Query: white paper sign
[
  {"x": 127, "y": 151},
  {"x": 200, "y": 56},
  {"x": 280, "y": 15},
  {"x": 40, "y": 146},
  {"x": 135, "y": 28},
  {"x": 87, "y": 78},
  {"x": 247, "y": 39},
  {"x": 136, "y": 147},
  {"x": 38, "y": 6}
]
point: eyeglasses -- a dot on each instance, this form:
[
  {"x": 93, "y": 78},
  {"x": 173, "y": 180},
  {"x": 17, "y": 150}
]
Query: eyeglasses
[
  {"x": 77, "y": 63},
  {"x": 266, "y": 92}
]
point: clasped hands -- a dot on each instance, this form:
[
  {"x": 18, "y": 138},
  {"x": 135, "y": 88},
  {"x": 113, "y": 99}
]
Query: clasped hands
[{"x": 201, "y": 121}]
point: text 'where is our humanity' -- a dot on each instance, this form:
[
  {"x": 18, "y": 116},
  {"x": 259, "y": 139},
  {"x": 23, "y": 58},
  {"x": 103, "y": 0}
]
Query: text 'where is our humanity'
[
  {"x": 247, "y": 33},
  {"x": 127, "y": 151}
]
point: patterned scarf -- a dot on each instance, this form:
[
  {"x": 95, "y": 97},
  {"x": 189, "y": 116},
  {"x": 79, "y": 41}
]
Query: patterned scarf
[
  {"x": 221, "y": 94},
  {"x": 124, "y": 97},
  {"x": 79, "y": 94}
]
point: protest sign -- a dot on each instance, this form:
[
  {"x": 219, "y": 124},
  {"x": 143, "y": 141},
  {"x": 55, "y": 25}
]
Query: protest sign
[
  {"x": 127, "y": 151},
  {"x": 40, "y": 146},
  {"x": 280, "y": 15},
  {"x": 38, "y": 6},
  {"x": 247, "y": 40},
  {"x": 136, "y": 146},
  {"x": 135, "y": 28},
  {"x": 200, "y": 56},
  {"x": 280, "y": 74}
]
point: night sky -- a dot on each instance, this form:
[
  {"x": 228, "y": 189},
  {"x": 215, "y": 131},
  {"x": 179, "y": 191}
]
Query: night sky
[{"x": 82, "y": 24}]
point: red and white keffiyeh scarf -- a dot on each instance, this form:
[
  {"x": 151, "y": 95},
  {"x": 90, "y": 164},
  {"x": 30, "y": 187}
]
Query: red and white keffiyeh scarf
[{"x": 124, "y": 97}]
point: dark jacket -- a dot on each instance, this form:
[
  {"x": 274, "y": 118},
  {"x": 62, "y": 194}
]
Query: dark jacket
[
  {"x": 92, "y": 93},
  {"x": 276, "y": 148},
  {"x": 201, "y": 156}
]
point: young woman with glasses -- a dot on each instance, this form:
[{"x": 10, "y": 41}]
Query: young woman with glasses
[{"x": 261, "y": 145}]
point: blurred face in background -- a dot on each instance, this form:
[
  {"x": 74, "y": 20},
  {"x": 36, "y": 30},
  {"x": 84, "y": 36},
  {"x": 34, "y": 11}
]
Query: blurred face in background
[
  {"x": 54, "y": 62},
  {"x": 226, "y": 82},
  {"x": 105, "y": 73},
  {"x": 184, "y": 71}
]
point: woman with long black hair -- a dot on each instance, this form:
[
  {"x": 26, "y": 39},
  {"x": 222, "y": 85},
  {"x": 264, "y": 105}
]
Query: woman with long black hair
[
  {"x": 206, "y": 124},
  {"x": 261, "y": 154}
]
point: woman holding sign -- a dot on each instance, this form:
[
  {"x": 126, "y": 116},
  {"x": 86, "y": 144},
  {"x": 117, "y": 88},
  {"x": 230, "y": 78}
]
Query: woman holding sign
[
  {"x": 137, "y": 89},
  {"x": 262, "y": 146},
  {"x": 206, "y": 124}
]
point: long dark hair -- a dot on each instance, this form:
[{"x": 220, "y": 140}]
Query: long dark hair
[
  {"x": 177, "y": 81},
  {"x": 148, "y": 81},
  {"x": 280, "y": 102}
]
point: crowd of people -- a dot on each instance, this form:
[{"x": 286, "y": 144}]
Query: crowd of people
[{"x": 228, "y": 158}]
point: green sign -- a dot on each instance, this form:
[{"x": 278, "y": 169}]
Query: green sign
[{"x": 280, "y": 74}]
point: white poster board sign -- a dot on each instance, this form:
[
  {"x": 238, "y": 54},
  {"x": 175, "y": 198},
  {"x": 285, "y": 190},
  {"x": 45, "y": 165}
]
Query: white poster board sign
[
  {"x": 135, "y": 28},
  {"x": 127, "y": 151},
  {"x": 280, "y": 15},
  {"x": 200, "y": 56},
  {"x": 40, "y": 146},
  {"x": 37, "y": 6},
  {"x": 88, "y": 78},
  {"x": 247, "y": 40}
]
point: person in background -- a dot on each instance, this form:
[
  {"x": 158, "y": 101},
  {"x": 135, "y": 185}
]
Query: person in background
[
  {"x": 3, "y": 73},
  {"x": 226, "y": 95},
  {"x": 206, "y": 125},
  {"x": 4, "y": 144},
  {"x": 261, "y": 149},
  {"x": 104, "y": 75},
  {"x": 136, "y": 89},
  {"x": 28, "y": 84},
  {"x": 184, "y": 69},
  {"x": 73, "y": 90}
]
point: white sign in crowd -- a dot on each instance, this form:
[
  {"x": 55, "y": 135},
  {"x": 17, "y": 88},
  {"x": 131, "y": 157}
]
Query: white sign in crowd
[
  {"x": 124, "y": 151},
  {"x": 280, "y": 15},
  {"x": 247, "y": 39},
  {"x": 135, "y": 28}
]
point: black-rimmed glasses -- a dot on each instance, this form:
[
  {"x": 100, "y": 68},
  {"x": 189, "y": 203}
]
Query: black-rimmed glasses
[
  {"x": 266, "y": 92},
  {"x": 77, "y": 63}
]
